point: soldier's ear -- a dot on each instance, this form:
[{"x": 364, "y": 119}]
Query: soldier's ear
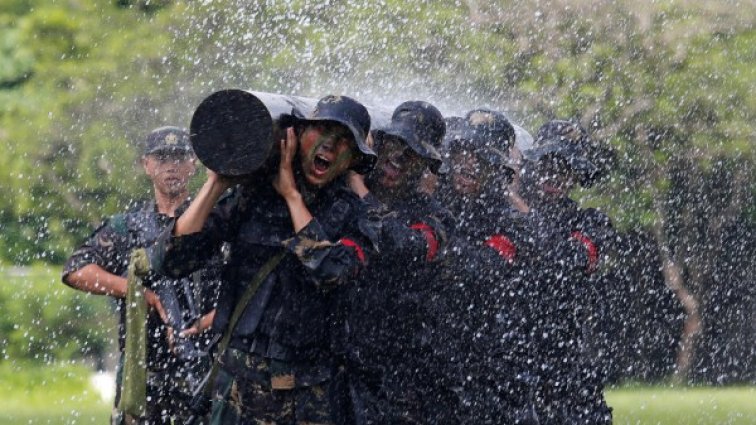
[
  {"x": 143, "y": 161},
  {"x": 194, "y": 166}
]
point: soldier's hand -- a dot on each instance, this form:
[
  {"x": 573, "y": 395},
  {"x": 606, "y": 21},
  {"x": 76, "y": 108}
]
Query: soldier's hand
[
  {"x": 284, "y": 182},
  {"x": 220, "y": 180},
  {"x": 200, "y": 325},
  {"x": 153, "y": 302}
]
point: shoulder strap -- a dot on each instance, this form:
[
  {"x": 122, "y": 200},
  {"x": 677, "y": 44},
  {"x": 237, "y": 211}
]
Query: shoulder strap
[{"x": 249, "y": 292}]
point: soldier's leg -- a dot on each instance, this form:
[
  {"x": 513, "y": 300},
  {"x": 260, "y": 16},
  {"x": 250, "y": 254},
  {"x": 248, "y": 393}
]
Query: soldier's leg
[
  {"x": 116, "y": 416},
  {"x": 312, "y": 405},
  {"x": 159, "y": 402},
  {"x": 223, "y": 412}
]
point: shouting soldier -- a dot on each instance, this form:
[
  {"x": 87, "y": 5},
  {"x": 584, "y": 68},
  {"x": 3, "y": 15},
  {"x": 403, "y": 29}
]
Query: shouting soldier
[{"x": 278, "y": 365}]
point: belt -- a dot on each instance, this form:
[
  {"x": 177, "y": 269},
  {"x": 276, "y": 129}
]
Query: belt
[
  {"x": 272, "y": 373},
  {"x": 263, "y": 346}
]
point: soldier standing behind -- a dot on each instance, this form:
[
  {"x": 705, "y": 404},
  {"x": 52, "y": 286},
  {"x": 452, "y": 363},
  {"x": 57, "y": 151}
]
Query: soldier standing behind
[
  {"x": 491, "y": 248},
  {"x": 395, "y": 372},
  {"x": 562, "y": 156},
  {"x": 279, "y": 364},
  {"x": 99, "y": 266}
]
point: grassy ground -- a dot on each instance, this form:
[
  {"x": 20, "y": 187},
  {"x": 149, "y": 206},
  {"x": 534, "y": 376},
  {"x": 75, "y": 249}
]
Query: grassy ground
[
  {"x": 683, "y": 405},
  {"x": 61, "y": 394}
]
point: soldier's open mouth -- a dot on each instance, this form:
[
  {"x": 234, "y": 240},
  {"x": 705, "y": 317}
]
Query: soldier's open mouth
[
  {"x": 391, "y": 169},
  {"x": 320, "y": 164}
]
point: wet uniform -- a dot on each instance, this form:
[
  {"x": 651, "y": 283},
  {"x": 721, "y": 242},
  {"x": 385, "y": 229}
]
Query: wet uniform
[
  {"x": 393, "y": 367},
  {"x": 491, "y": 296},
  {"x": 279, "y": 365},
  {"x": 169, "y": 379},
  {"x": 571, "y": 383}
]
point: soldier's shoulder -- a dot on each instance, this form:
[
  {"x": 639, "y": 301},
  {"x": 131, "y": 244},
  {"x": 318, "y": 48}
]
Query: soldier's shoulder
[
  {"x": 118, "y": 223},
  {"x": 122, "y": 223}
]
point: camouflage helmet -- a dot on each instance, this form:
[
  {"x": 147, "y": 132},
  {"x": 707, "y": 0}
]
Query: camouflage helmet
[
  {"x": 571, "y": 141},
  {"x": 486, "y": 127},
  {"x": 421, "y": 126},
  {"x": 352, "y": 115},
  {"x": 488, "y": 135}
]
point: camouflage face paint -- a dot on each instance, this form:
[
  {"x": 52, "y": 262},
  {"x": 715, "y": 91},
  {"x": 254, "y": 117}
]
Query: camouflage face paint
[{"x": 327, "y": 151}]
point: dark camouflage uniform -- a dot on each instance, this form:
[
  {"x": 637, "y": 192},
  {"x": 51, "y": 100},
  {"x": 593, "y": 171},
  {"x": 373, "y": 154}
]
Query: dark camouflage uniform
[
  {"x": 279, "y": 362},
  {"x": 110, "y": 247},
  {"x": 394, "y": 370},
  {"x": 490, "y": 308},
  {"x": 571, "y": 388}
]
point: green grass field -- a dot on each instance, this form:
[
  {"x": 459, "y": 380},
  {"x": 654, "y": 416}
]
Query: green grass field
[
  {"x": 683, "y": 405},
  {"x": 61, "y": 395}
]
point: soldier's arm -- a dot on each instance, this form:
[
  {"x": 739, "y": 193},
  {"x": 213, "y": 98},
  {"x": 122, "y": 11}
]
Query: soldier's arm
[
  {"x": 98, "y": 264},
  {"x": 187, "y": 244},
  {"x": 94, "y": 266},
  {"x": 286, "y": 186},
  {"x": 329, "y": 263},
  {"x": 194, "y": 218},
  {"x": 95, "y": 280}
]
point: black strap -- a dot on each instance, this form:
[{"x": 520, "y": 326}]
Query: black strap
[{"x": 206, "y": 390}]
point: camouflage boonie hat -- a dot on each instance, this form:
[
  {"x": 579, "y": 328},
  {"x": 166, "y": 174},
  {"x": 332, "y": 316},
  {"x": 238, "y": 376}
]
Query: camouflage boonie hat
[
  {"x": 354, "y": 116},
  {"x": 488, "y": 134},
  {"x": 485, "y": 149},
  {"x": 571, "y": 141},
  {"x": 421, "y": 126},
  {"x": 486, "y": 127},
  {"x": 168, "y": 139}
]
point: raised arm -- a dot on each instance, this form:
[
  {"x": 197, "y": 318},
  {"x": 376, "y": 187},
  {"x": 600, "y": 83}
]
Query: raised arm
[
  {"x": 194, "y": 218},
  {"x": 286, "y": 186}
]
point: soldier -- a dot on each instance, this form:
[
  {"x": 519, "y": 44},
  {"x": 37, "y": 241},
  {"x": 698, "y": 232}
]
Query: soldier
[
  {"x": 99, "y": 267},
  {"x": 392, "y": 365},
  {"x": 279, "y": 365},
  {"x": 562, "y": 156},
  {"x": 484, "y": 272}
]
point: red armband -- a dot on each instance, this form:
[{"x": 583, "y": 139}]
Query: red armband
[
  {"x": 430, "y": 238},
  {"x": 503, "y": 246},
  {"x": 590, "y": 247},
  {"x": 357, "y": 249}
]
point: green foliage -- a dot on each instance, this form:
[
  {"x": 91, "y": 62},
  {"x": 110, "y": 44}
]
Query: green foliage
[
  {"x": 69, "y": 128},
  {"x": 44, "y": 321}
]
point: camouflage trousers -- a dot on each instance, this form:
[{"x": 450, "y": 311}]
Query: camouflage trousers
[{"x": 249, "y": 391}]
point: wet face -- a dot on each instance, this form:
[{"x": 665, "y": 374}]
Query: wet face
[
  {"x": 398, "y": 165},
  {"x": 169, "y": 171},
  {"x": 326, "y": 150},
  {"x": 466, "y": 173},
  {"x": 554, "y": 176}
]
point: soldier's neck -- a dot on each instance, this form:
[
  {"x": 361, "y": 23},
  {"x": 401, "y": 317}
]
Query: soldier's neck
[{"x": 168, "y": 203}]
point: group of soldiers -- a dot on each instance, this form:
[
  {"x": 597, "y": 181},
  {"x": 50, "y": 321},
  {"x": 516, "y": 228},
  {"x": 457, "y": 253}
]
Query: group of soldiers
[{"x": 424, "y": 272}]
